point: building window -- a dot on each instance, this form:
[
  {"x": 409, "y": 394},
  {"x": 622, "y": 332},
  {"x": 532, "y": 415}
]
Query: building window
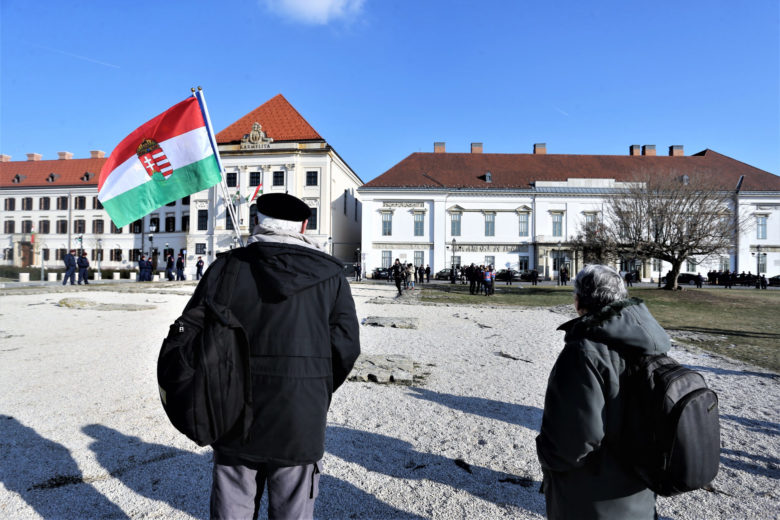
[
  {"x": 9, "y": 226},
  {"x": 44, "y": 203},
  {"x": 80, "y": 202},
  {"x": 690, "y": 265},
  {"x": 170, "y": 223},
  {"x": 115, "y": 230},
  {"x": 455, "y": 224},
  {"x": 62, "y": 202},
  {"x": 80, "y": 226},
  {"x": 387, "y": 224},
  {"x": 228, "y": 221},
  {"x": 203, "y": 219},
  {"x": 278, "y": 179},
  {"x": 137, "y": 226},
  {"x": 522, "y": 263},
  {"x": 10, "y": 204},
  {"x": 387, "y": 259},
  {"x": 8, "y": 253},
  {"x": 200, "y": 248},
  {"x": 97, "y": 227},
  {"x": 524, "y": 229},
  {"x": 725, "y": 263},
  {"x": 44, "y": 227},
  {"x": 419, "y": 224},
  {"x": 116, "y": 255},
  {"x": 135, "y": 255},
  {"x": 60, "y": 254},
  {"x": 62, "y": 227},
  {"x": 45, "y": 253},
  {"x": 27, "y": 204},
  {"x": 456, "y": 261},
  {"x": 490, "y": 260},
  {"x": 231, "y": 178},
  {"x": 419, "y": 258},
  {"x": 96, "y": 254},
  {"x": 96, "y": 204},
  {"x": 311, "y": 178},
  {"x": 185, "y": 222},
  {"x": 312, "y": 224},
  {"x": 185, "y": 201},
  {"x": 590, "y": 219},
  {"x": 557, "y": 222},
  {"x": 27, "y": 226},
  {"x": 762, "y": 263},
  {"x": 490, "y": 224},
  {"x": 656, "y": 266},
  {"x": 154, "y": 221},
  {"x": 761, "y": 227},
  {"x": 172, "y": 203}
]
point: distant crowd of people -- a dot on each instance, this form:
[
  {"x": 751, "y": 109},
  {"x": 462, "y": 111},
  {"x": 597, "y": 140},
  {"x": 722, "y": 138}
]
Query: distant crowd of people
[
  {"x": 729, "y": 279},
  {"x": 407, "y": 275}
]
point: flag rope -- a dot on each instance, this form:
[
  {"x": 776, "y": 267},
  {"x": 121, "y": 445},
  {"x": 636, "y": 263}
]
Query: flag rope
[{"x": 231, "y": 209}]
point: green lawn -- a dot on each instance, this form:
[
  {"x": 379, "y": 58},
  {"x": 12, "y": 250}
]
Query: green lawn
[{"x": 744, "y": 324}]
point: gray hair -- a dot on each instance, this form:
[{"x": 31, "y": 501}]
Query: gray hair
[
  {"x": 278, "y": 224},
  {"x": 598, "y": 285}
]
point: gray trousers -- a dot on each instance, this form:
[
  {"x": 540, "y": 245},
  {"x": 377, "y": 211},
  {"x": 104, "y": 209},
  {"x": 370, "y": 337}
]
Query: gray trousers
[{"x": 236, "y": 491}]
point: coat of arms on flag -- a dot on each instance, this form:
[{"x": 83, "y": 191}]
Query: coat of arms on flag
[{"x": 153, "y": 158}]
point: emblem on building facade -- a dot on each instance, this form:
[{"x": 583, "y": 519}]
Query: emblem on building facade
[
  {"x": 153, "y": 158},
  {"x": 256, "y": 139}
]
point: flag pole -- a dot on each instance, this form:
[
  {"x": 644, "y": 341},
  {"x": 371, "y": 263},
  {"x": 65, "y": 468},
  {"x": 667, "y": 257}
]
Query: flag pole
[{"x": 225, "y": 195}]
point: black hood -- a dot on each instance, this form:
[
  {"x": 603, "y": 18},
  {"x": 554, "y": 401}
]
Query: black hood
[
  {"x": 287, "y": 269},
  {"x": 625, "y": 324}
]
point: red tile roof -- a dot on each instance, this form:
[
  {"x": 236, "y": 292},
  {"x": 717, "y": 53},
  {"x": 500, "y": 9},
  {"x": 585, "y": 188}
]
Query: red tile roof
[
  {"x": 467, "y": 170},
  {"x": 279, "y": 120},
  {"x": 67, "y": 172}
]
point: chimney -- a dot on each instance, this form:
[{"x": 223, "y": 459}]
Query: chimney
[
  {"x": 648, "y": 149},
  {"x": 634, "y": 149},
  {"x": 5, "y": 158},
  {"x": 34, "y": 157},
  {"x": 540, "y": 148},
  {"x": 438, "y": 147},
  {"x": 96, "y": 154},
  {"x": 65, "y": 155},
  {"x": 476, "y": 147},
  {"x": 676, "y": 150}
]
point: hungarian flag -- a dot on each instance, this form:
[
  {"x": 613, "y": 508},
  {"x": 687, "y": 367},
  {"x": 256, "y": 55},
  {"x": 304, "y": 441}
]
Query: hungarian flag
[
  {"x": 165, "y": 159},
  {"x": 259, "y": 189}
]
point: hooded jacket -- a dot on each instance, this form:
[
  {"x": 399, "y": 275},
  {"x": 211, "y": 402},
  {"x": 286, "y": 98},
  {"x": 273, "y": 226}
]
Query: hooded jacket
[
  {"x": 583, "y": 414},
  {"x": 297, "y": 310}
]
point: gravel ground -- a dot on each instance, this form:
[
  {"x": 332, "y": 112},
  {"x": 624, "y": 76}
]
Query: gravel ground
[{"x": 83, "y": 435}]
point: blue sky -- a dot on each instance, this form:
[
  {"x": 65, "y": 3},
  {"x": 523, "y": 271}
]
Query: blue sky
[{"x": 382, "y": 79}]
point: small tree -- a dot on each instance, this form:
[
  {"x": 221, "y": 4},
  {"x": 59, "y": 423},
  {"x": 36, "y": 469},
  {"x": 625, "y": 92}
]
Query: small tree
[{"x": 671, "y": 217}]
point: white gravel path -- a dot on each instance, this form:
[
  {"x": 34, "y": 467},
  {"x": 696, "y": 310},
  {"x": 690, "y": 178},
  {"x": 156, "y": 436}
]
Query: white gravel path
[{"x": 83, "y": 435}]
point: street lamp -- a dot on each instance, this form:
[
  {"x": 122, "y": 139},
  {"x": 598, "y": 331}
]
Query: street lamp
[
  {"x": 99, "y": 254},
  {"x": 330, "y": 245},
  {"x": 558, "y": 256},
  {"x": 80, "y": 238},
  {"x": 152, "y": 229},
  {"x": 452, "y": 277}
]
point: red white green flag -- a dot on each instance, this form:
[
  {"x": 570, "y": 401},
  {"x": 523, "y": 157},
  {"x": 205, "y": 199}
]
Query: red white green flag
[
  {"x": 259, "y": 189},
  {"x": 165, "y": 159}
]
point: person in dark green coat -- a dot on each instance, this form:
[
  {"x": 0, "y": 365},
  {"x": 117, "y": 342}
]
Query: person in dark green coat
[{"x": 584, "y": 477}]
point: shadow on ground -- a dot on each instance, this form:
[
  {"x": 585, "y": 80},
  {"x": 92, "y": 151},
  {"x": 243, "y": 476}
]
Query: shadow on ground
[{"x": 527, "y": 416}]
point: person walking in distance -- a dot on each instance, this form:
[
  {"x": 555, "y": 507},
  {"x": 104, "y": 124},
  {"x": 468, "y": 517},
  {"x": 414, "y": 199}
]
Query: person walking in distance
[
  {"x": 199, "y": 268},
  {"x": 585, "y": 477},
  {"x": 83, "y": 264},
  {"x": 296, "y": 307},
  {"x": 180, "y": 267},
  {"x": 70, "y": 268},
  {"x": 397, "y": 274},
  {"x": 427, "y": 274}
]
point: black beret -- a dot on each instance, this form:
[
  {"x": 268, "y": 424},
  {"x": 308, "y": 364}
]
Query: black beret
[{"x": 283, "y": 207}]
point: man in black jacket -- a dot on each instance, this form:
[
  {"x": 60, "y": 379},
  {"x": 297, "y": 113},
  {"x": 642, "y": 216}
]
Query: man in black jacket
[
  {"x": 83, "y": 263},
  {"x": 70, "y": 268},
  {"x": 297, "y": 310}
]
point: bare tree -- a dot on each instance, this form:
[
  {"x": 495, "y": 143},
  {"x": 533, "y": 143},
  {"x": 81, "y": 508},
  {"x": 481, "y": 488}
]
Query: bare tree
[
  {"x": 596, "y": 243},
  {"x": 671, "y": 216}
]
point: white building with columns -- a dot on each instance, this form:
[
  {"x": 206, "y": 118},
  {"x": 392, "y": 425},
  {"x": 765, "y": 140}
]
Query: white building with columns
[
  {"x": 521, "y": 211},
  {"x": 51, "y": 206}
]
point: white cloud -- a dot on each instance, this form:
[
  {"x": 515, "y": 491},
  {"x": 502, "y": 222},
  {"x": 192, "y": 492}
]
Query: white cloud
[{"x": 318, "y": 12}]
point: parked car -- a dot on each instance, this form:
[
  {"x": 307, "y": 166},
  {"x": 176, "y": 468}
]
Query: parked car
[
  {"x": 684, "y": 278},
  {"x": 504, "y": 274},
  {"x": 444, "y": 274},
  {"x": 774, "y": 280},
  {"x": 380, "y": 273}
]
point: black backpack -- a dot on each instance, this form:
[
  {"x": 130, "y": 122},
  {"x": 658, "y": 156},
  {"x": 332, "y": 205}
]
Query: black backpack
[
  {"x": 671, "y": 434},
  {"x": 203, "y": 369}
]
